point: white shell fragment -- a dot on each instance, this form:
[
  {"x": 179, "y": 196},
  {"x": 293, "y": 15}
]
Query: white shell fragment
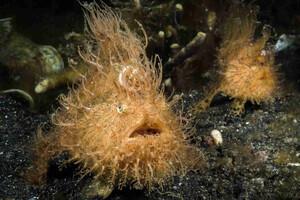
[{"x": 216, "y": 136}]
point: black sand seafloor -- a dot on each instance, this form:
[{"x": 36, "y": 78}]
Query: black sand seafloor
[{"x": 259, "y": 157}]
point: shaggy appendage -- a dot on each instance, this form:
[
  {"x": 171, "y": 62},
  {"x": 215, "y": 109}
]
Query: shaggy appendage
[
  {"x": 127, "y": 139},
  {"x": 117, "y": 123},
  {"x": 247, "y": 68}
]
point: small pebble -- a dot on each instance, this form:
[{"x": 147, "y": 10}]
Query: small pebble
[
  {"x": 168, "y": 82},
  {"x": 175, "y": 46},
  {"x": 34, "y": 198},
  {"x": 179, "y": 7},
  {"x": 217, "y": 136},
  {"x": 161, "y": 34}
]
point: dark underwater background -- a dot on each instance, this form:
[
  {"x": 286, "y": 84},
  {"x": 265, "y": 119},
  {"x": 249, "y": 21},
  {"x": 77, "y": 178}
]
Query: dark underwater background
[{"x": 260, "y": 154}]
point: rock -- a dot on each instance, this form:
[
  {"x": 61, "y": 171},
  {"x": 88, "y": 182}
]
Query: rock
[{"x": 217, "y": 136}]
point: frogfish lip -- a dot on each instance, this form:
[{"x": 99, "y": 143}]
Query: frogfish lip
[{"x": 145, "y": 129}]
